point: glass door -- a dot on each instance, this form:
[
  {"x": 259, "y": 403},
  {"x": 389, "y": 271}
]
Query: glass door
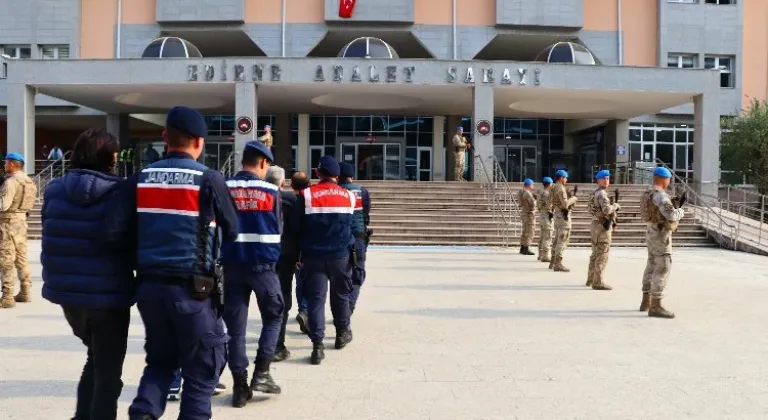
[
  {"x": 424, "y": 164},
  {"x": 392, "y": 161},
  {"x": 514, "y": 164},
  {"x": 315, "y": 153},
  {"x": 529, "y": 162},
  {"x": 500, "y": 152}
]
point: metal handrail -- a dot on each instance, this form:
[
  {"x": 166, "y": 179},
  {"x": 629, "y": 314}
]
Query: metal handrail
[
  {"x": 55, "y": 169},
  {"x": 228, "y": 168},
  {"x": 509, "y": 194},
  {"x": 490, "y": 187}
]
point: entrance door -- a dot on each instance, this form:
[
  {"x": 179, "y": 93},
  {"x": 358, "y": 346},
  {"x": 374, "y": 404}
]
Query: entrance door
[
  {"x": 517, "y": 162},
  {"x": 373, "y": 161},
  {"x": 423, "y": 164}
]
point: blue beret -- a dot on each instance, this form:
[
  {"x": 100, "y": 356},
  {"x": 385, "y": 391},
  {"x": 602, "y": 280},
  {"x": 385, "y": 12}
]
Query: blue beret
[
  {"x": 329, "y": 165},
  {"x": 187, "y": 120},
  {"x": 547, "y": 180},
  {"x": 15, "y": 156},
  {"x": 267, "y": 126},
  {"x": 347, "y": 170},
  {"x": 662, "y": 172},
  {"x": 603, "y": 174},
  {"x": 261, "y": 148},
  {"x": 528, "y": 181},
  {"x": 562, "y": 173},
  {"x": 460, "y": 128}
]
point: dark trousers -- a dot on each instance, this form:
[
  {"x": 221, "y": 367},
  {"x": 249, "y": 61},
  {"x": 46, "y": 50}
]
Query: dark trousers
[
  {"x": 239, "y": 283},
  {"x": 181, "y": 332},
  {"x": 286, "y": 268},
  {"x": 105, "y": 333},
  {"x": 318, "y": 273},
  {"x": 358, "y": 273}
]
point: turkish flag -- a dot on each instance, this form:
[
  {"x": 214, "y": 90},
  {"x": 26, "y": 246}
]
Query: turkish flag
[{"x": 346, "y": 7}]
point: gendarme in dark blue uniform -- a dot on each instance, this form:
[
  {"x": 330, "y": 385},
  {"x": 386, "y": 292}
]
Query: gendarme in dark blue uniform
[
  {"x": 323, "y": 222},
  {"x": 360, "y": 219},
  {"x": 249, "y": 267},
  {"x": 179, "y": 203}
]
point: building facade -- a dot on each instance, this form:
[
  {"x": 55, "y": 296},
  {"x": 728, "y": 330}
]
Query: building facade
[{"x": 650, "y": 81}]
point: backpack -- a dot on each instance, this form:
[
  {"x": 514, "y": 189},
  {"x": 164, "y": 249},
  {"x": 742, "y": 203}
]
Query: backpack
[{"x": 646, "y": 201}]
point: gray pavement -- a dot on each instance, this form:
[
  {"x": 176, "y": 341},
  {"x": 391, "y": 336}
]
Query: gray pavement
[{"x": 459, "y": 334}]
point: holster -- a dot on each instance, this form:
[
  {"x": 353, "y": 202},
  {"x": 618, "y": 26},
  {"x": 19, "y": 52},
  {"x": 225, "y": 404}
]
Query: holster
[
  {"x": 607, "y": 223},
  {"x": 566, "y": 213},
  {"x": 202, "y": 287},
  {"x": 353, "y": 256},
  {"x": 368, "y": 234},
  {"x": 551, "y": 215}
]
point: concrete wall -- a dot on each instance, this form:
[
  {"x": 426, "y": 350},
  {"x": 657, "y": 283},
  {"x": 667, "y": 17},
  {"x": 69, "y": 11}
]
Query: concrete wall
[
  {"x": 52, "y": 22},
  {"x": 401, "y": 11},
  {"x": 200, "y": 10},
  {"x": 549, "y": 13}
]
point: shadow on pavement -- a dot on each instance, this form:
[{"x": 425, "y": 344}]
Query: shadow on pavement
[
  {"x": 482, "y": 313},
  {"x": 60, "y": 343},
  {"x": 463, "y": 269},
  {"x": 52, "y": 388},
  {"x": 481, "y": 287}
]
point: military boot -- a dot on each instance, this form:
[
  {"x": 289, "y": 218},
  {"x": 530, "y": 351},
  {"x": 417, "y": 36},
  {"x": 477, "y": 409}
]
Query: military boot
[
  {"x": 25, "y": 293},
  {"x": 241, "y": 393},
  {"x": 142, "y": 417},
  {"x": 545, "y": 259},
  {"x": 343, "y": 338},
  {"x": 552, "y": 262},
  {"x": 525, "y": 250},
  {"x": 263, "y": 382},
  {"x": 7, "y": 301},
  {"x": 601, "y": 286},
  {"x": 559, "y": 266},
  {"x": 645, "y": 304},
  {"x": 303, "y": 320},
  {"x": 658, "y": 311},
  {"x": 281, "y": 354},
  {"x": 318, "y": 353}
]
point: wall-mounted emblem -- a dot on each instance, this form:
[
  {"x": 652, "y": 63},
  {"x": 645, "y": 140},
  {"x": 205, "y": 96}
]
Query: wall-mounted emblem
[
  {"x": 483, "y": 127},
  {"x": 244, "y": 125}
]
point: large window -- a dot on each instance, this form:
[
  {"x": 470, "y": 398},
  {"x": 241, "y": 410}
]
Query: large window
[
  {"x": 721, "y": 1},
  {"x": 17, "y": 51},
  {"x": 224, "y": 125},
  {"x": 54, "y": 52},
  {"x": 725, "y": 65},
  {"x": 682, "y": 61},
  {"x": 671, "y": 143}
]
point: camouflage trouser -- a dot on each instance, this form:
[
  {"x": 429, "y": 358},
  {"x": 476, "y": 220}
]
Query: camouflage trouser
[
  {"x": 659, "y": 264},
  {"x": 562, "y": 237},
  {"x": 545, "y": 234},
  {"x": 13, "y": 253},
  {"x": 529, "y": 226},
  {"x": 601, "y": 245},
  {"x": 458, "y": 169}
]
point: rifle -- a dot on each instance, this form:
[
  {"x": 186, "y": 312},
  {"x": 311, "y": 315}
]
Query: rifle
[
  {"x": 613, "y": 219},
  {"x": 678, "y": 202},
  {"x": 567, "y": 212}
]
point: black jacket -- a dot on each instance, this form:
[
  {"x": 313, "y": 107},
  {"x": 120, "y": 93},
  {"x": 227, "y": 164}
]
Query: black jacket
[{"x": 289, "y": 244}]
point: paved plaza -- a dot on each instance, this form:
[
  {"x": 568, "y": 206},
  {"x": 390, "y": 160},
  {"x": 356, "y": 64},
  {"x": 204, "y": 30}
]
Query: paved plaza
[{"x": 460, "y": 334}]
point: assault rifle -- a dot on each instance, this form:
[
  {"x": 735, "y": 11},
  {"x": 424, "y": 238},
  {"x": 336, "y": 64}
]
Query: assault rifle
[
  {"x": 612, "y": 220},
  {"x": 567, "y": 212},
  {"x": 677, "y": 202}
]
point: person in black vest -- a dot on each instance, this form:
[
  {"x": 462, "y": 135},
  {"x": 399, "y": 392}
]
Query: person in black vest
[
  {"x": 322, "y": 218},
  {"x": 249, "y": 267},
  {"x": 360, "y": 220},
  {"x": 175, "y": 208}
]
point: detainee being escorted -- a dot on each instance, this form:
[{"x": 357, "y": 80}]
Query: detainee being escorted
[
  {"x": 545, "y": 221},
  {"x": 601, "y": 209},
  {"x": 528, "y": 219},
  {"x": 662, "y": 218}
]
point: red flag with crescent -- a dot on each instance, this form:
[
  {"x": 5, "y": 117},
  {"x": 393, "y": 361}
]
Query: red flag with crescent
[{"x": 346, "y": 7}]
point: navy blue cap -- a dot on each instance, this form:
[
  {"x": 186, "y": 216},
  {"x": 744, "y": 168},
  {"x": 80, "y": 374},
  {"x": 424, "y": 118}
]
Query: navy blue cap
[
  {"x": 15, "y": 156},
  {"x": 562, "y": 173},
  {"x": 187, "y": 120},
  {"x": 347, "y": 170},
  {"x": 528, "y": 181},
  {"x": 329, "y": 165},
  {"x": 605, "y": 173},
  {"x": 662, "y": 172},
  {"x": 547, "y": 180},
  {"x": 261, "y": 148}
]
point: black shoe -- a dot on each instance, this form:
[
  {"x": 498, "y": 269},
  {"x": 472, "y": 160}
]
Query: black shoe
[
  {"x": 219, "y": 389},
  {"x": 263, "y": 382},
  {"x": 525, "y": 250},
  {"x": 303, "y": 319},
  {"x": 343, "y": 338},
  {"x": 241, "y": 393},
  {"x": 318, "y": 353},
  {"x": 141, "y": 417},
  {"x": 281, "y": 354}
]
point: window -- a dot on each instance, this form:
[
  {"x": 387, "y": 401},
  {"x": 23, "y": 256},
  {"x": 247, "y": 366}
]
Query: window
[
  {"x": 725, "y": 65},
  {"x": 54, "y": 52},
  {"x": 682, "y": 61},
  {"x": 17, "y": 51},
  {"x": 683, "y": 1},
  {"x": 721, "y": 1}
]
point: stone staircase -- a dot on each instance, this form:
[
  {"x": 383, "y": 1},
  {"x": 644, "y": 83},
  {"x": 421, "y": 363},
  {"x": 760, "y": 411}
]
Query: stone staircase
[{"x": 452, "y": 213}]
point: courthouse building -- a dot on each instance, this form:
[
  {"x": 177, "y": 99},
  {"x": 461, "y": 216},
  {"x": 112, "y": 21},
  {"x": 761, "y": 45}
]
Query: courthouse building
[{"x": 540, "y": 84}]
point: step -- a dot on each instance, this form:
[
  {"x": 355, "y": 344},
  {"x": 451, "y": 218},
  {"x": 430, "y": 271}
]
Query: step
[
  {"x": 428, "y": 242},
  {"x": 460, "y": 238}
]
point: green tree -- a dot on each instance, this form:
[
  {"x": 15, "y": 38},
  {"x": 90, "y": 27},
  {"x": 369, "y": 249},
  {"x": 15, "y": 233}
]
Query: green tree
[{"x": 744, "y": 144}]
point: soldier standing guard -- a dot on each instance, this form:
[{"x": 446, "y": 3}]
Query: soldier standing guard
[
  {"x": 662, "y": 218},
  {"x": 17, "y": 197},
  {"x": 545, "y": 221},
  {"x": 267, "y": 137},
  {"x": 601, "y": 209},
  {"x": 561, "y": 205},
  {"x": 249, "y": 267},
  {"x": 460, "y": 146},
  {"x": 527, "y": 209}
]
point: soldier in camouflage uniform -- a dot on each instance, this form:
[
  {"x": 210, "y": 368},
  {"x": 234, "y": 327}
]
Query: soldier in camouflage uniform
[
  {"x": 460, "y": 146},
  {"x": 545, "y": 221},
  {"x": 662, "y": 218},
  {"x": 601, "y": 208},
  {"x": 560, "y": 204},
  {"x": 17, "y": 197},
  {"x": 527, "y": 209},
  {"x": 267, "y": 137}
]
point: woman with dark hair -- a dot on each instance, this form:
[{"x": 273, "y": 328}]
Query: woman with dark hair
[{"x": 93, "y": 283}]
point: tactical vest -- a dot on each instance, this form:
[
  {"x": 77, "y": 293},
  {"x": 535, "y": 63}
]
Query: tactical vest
[
  {"x": 328, "y": 210},
  {"x": 543, "y": 202},
  {"x": 646, "y": 206},
  {"x": 257, "y": 205},
  {"x": 26, "y": 193},
  {"x": 358, "y": 219},
  {"x": 554, "y": 197},
  {"x": 171, "y": 235}
]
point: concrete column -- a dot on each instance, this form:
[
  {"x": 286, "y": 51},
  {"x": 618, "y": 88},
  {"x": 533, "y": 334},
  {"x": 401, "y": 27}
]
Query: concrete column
[
  {"x": 21, "y": 122},
  {"x": 281, "y": 134},
  {"x": 119, "y": 126},
  {"x": 483, "y": 145},
  {"x": 438, "y": 148},
  {"x": 706, "y": 143},
  {"x": 246, "y": 105},
  {"x": 616, "y": 136},
  {"x": 302, "y": 154},
  {"x": 453, "y": 122}
]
